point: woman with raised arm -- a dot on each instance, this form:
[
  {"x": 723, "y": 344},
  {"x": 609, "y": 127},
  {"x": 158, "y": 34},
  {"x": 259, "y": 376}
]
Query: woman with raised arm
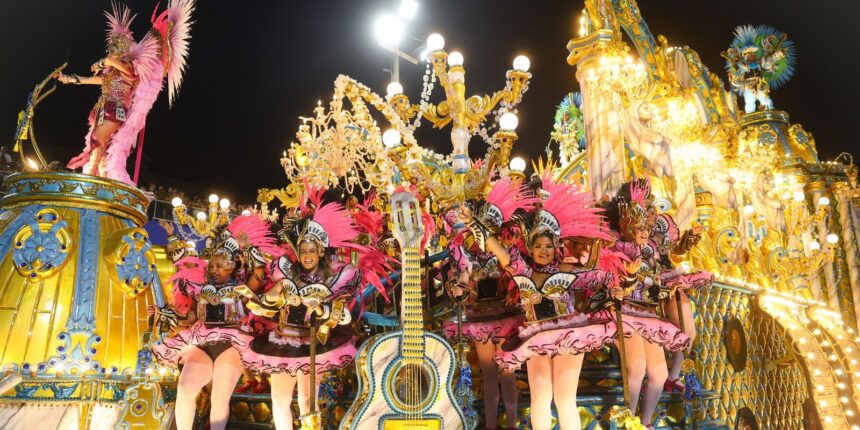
[
  {"x": 558, "y": 329},
  {"x": 483, "y": 272},
  {"x": 207, "y": 315},
  {"x": 669, "y": 245},
  {"x": 632, "y": 217},
  {"x": 131, "y": 76}
]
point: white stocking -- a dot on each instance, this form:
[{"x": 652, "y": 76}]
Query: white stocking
[
  {"x": 565, "y": 378},
  {"x": 540, "y": 386},
  {"x": 196, "y": 373},
  {"x": 226, "y": 373},
  {"x": 283, "y": 386}
]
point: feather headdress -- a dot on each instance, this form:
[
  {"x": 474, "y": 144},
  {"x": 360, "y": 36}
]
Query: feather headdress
[
  {"x": 505, "y": 197},
  {"x": 568, "y": 211}
]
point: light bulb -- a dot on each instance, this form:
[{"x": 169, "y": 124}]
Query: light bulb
[
  {"x": 407, "y": 9},
  {"x": 823, "y": 201},
  {"x": 522, "y": 63},
  {"x": 213, "y": 198},
  {"x": 391, "y": 138},
  {"x": 201, "y": 215},
  {"x": 815, "y": 246},
  {"x": 799, "y": 196},
  {"x": 455, "y": 59},
  {"x": 509, "y": 121},
  {"x": 517, "y": 164},
  {"x": 394, "y": 89},
  {"x": 176, "y": 202},
  {"x": 246, "y": 212},
  {"x": 435, "y": 42},
  {"x": 389, "y": 29},
  {"x": 832, "y": 239},
  {"x": 224, "y": 203},
  {"x": 749, "y": 209}
]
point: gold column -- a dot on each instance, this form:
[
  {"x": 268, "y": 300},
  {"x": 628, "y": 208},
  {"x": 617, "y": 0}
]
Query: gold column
[{"x": 849, "y": 244}]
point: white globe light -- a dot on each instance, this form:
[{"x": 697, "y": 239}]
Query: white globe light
[
  {"x": 213, "y": 198},
  {"x": 455, "y": 59},
  {"x": 201, "y": 215},
  {"x": 391, "y": 138},
  {"x": 749, "y": 209},
  {"x": 394, "y": 89},
  {"x": 246, "y": 212},
  {"x": 509, "y": 121},
  {"x": 815, "y": 246},
  {"x": 517, "y": 164},
  {"x": 388, "y": 29},
  {"x": 224, "y": 203},
  {"x": 823, "y": 201},
  {"x": 832, "y": 238},
  {"x": 176, "y": 202},
  {"x": 435, "y": 42},
  {"x": 799, "y": 196},
  {"x": 522, "y": 63}
]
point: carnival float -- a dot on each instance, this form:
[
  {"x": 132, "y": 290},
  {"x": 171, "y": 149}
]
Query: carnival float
[{"x": 674, "y": 262}]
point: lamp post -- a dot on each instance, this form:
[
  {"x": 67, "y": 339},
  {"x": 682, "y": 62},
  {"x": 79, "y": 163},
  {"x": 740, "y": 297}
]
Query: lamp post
[{"x": 202, "y": 225}]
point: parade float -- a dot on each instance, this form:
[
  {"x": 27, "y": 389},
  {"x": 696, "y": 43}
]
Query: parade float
[{"x": 776, "y": 346}]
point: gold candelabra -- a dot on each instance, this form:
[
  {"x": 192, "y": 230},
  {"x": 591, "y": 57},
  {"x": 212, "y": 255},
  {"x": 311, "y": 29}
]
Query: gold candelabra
[
  {"x": 466, "y": 114},
  {"x": 202, "y": 225}
]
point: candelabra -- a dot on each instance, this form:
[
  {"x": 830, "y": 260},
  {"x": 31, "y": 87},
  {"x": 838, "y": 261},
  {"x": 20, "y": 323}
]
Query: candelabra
[
  {"x": 466, "y": 114},
  {"x": 203, "y": 225}
]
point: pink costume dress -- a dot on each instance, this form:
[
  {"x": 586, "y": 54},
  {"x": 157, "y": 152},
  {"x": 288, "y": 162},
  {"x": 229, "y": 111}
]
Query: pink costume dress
[
  {"x": 287, "y": 347},
  {"x": 639, "y": 307},
  {"x": 557, "y": 319},
  {"x": 487, "y": 317},
  {"x": 220, "y": 315}
]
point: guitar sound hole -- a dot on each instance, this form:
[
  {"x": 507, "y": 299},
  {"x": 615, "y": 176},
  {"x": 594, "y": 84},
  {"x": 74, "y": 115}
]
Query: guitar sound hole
[{"x": 412, "y": 386}]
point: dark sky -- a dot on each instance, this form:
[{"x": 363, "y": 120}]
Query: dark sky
[{"x": 257, "y": 65}]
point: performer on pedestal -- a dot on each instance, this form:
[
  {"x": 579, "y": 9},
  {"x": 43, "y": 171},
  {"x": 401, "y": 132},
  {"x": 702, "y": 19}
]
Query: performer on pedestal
[
  {"x": 207, "y": 316},
  {"x": 317, "y": 289},
  {"x": 632, "y": 216},
  {"x": 484, "y": 270},
  {"x": 558, "y": 329},
  {"x": 131, "y": 78}
]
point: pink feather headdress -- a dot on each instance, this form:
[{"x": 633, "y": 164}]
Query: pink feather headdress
[
  {"x": 504, "y": 198},
  {"x": 119, "y": 23},
  {"x": 258, "y": 234},
  {"x": 190, "y": 275},
  {"x": 569, "y": 211}
]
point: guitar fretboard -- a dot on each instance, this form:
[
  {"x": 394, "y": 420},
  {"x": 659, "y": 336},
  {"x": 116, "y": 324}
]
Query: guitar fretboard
[{"x": 411, "y": 315}]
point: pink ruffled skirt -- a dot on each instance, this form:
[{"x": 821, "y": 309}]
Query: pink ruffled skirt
[
  {"x": 485, "y": 331},
  {"x": 169, "y": 351},
  {"x": 575, "y": 334},
  {"x": 651, "y": 327},
  {"x": 269, "y": 353}
]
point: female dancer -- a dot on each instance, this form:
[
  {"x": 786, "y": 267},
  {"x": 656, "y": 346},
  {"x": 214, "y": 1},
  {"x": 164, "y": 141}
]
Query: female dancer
[
  {"x": 131, "y": 78},
  {"x": 208, "y": 339},
  {"x": 631, "y": 215},
  {"x": 668, "y": 243},
  {"x": 317, "y": 289},
  {"x": 555, "y": 334},
  {"x": 483, "y": 272}
]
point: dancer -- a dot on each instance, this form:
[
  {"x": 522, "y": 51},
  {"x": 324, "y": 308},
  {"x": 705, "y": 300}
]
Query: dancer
[
  {"x": 483, "y": 275},
  {"x": 632, "y": 216},
  {"x": 131, "y": 78},
  {"x": 207, "y": 339},
  {"x": 556, "y": 334},
  {"x": 317, "y": 289},
  {"x": 669, "y": 245}
]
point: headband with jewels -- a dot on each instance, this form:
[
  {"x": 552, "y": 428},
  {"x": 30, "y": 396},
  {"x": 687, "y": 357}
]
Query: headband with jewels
[
  {"x": 635, "y": 208},
  {"x": 567, "y": 211}
]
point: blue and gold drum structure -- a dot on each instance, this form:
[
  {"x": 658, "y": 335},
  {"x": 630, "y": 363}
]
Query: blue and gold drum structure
[{"x": 77, "y": 272}]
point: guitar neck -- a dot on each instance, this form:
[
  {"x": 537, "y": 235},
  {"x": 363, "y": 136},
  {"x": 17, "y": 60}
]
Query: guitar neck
[{"x": 412, "y": 317}]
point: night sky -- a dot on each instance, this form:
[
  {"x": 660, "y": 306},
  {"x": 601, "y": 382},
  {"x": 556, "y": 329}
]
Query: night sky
[{"x": 255, "y": 66}]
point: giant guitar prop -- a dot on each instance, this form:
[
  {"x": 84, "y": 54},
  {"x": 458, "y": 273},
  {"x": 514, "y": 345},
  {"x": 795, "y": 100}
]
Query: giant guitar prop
[{"x": 405, "y": 376}]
